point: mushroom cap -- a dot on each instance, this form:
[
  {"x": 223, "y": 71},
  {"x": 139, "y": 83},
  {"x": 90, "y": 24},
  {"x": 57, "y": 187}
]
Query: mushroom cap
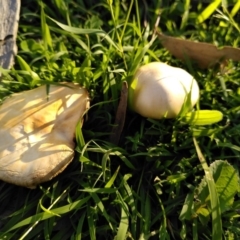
[
  {"x": 37, "y": 132},
  {"x": 159, "y": 90}
]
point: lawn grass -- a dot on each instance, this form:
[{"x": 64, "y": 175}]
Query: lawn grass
[{"x": 153, "y": 184}]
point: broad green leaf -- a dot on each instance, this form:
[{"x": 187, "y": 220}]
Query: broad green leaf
[
  {"x": 172, "y": 179},
  {"x": 31, "y": 45},
  {"x": 204, "y": 215},
  {"x": 226, "y": 180},
  {"x": 25, "y": 66},
  {"x": 202, "y": 117}
]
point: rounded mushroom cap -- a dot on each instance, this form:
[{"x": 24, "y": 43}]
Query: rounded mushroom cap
[
  {"x": 161, "y": 90},
  {"x": 37, "y": 132}
]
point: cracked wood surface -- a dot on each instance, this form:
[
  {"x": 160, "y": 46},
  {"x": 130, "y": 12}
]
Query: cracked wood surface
[{"x": 9, "y": 17}]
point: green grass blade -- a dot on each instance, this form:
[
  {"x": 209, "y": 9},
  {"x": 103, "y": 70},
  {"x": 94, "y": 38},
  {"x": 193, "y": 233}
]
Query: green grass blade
[
  {"x": 235, "y": 9},
  {"x": 123, "y": 226},
  {"x": 215, "y": 205},
  {"x": 112, "y": 179},
  {"x": 78, "y": 235},
  {"x": 187, "y": 208},
  {"x": 80, "y": 139},
  {"x": 185, "y": 14},
  {"x": 23, "y": 64},
  {"x": 126, "y": 20},
  {"x": 48, "y": 210},
  {"x": 45, "y": 29},
  {"x": 99, "y": 190},
  {"x": 105, "y": 160},
  {"x": 76, "y": 30},
  {"x": 101, "y": 207},
  {"x": 163, "y": 234},
  {"x": 91, "y": 224},
  {"x": 46, "y": 215},
  {"x": 131, "y": 202},
  {"x": 147, "y": 216},
  {"x": 208, "y": 11}
]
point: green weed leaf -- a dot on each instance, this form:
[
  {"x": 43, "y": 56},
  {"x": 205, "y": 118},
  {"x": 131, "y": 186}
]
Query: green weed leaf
[
  {"x": 202, "y": 117},
  {"x": 226, "y": 180},
  {"x": 213, "y": 196}
]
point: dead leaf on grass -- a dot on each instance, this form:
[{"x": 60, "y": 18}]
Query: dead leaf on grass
[{"x": 204, "y": 54}]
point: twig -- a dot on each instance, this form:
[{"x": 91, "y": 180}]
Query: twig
[{"x": 120, "y": 115}]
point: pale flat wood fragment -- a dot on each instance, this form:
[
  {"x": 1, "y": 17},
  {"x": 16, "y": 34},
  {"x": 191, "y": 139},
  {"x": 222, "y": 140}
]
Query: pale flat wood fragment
[
  {"x": 37, "y": 132},
  {"x": 9, "y": 18}
]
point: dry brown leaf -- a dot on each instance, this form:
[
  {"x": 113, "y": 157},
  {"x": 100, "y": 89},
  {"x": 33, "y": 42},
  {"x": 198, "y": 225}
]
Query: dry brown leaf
[
  {"x": 37, "y": 132},
  {"x": 204, "y": 54}
]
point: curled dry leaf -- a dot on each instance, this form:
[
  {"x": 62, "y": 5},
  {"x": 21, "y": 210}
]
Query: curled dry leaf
[
  {"x": 204, "y": 54},
  {"x": 37, "y": 132}
]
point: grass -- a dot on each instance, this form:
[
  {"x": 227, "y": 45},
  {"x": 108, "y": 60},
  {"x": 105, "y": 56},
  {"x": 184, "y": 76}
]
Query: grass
[{"x": 150, "y": 186}]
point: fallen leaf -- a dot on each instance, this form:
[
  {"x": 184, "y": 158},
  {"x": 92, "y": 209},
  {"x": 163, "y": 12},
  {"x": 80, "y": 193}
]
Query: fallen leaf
[{"x": 204, "y": 54}]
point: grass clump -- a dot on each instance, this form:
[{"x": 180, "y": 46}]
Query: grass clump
[{"x": 150, "y": 186}]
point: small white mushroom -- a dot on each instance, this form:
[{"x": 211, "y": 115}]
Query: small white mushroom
[
  {"x": 37, "y": 132},
  {"x": 159, "y": 90}
]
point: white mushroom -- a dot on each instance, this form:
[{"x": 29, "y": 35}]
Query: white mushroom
[
  {"x": 159, "y": 90},
  {"x": 37, "y": 132}
]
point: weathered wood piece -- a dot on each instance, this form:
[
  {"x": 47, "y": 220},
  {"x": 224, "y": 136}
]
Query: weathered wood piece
[{"x": 9, "y": 18}]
